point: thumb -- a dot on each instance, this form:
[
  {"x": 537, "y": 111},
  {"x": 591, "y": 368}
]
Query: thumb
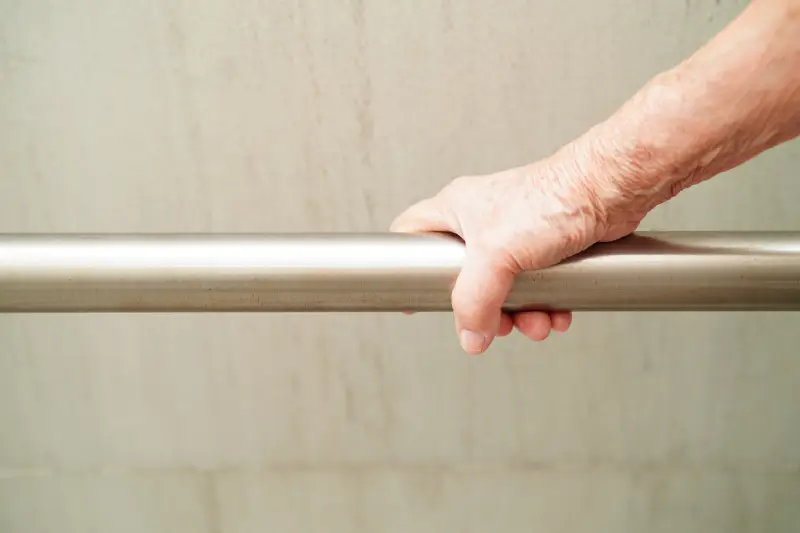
[{"x": 478, "y": 297}]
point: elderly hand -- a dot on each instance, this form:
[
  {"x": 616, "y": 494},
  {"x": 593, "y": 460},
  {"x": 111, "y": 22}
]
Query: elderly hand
[
  {"x": 714, "y": 111},
  {"x": 521, "y": 219}
]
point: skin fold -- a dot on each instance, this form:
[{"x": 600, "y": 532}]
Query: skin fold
[{"x": 736, "y": 97}]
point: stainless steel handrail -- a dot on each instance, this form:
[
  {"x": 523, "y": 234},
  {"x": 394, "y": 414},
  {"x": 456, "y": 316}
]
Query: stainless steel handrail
[{"x": 667, "y": 271}]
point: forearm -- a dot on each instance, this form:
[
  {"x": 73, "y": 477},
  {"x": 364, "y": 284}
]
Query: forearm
[{"x": 736, "y": 97}]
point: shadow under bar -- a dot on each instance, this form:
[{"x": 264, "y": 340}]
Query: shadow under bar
[{"x": 655, "y": 271}]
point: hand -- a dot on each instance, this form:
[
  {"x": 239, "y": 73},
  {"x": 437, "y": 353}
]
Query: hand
[
  {"x": 521, "y": 219},
  {"x": 673, "y": 133}
]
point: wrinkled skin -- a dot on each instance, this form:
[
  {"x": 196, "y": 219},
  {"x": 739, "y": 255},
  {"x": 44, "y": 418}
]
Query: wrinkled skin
[
  {"x": 525, "y": 218},
  {"x": 736, "y": 97}
]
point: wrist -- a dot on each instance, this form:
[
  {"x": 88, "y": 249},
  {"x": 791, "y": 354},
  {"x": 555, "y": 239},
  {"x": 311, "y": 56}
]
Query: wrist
[
  {"x": 619, "y": 176},
  {"x": 736, "y": 97},
  {"x": 646, "y": 153}
]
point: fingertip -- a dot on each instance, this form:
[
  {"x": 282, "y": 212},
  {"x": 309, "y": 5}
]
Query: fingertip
[
  {"x": 561, "y": 320},
  {"x": 424, "y": 216},
  {"x": 399, "y": 225},
  {"x": 473, "y": 343},
  {"x": 535, "y": 325},
  {"x": 506, "y": 325}
]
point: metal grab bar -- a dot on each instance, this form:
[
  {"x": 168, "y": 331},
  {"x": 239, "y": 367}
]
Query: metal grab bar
[{"x": 665, "y": 271}]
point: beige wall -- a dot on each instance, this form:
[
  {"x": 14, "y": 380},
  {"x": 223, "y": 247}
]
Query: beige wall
[{"x": 253, "y": 115}]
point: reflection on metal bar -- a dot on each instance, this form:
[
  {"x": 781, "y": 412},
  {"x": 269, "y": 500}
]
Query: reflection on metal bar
[{"x": 680, "y": 271}]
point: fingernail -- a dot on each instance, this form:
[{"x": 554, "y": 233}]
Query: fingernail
[{"x": 472, "y": 343}]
